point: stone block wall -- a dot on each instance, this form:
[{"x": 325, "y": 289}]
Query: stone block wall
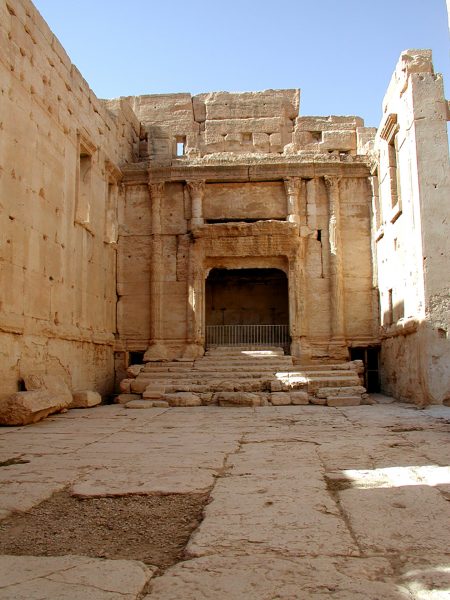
[
  {"x": 410, "y": 204},
  {"x": 183, "y": 126},
  {"x": 61, "y": 150}
]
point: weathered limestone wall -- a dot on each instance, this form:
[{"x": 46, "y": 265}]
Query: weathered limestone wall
[
  {"x": 245, "y": 123},
  {"x": 411, "y": 232},
  {"x": 271, "y": 242},
  {"x": 60, "y": 153}
]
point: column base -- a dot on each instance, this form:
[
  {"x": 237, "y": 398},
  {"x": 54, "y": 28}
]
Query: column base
[
  {"x": 193, "y": 351},
  {"x": 337, "y": 349},
  {"x": 300, "y": 348},
  {"x": 156, "y": 351}
]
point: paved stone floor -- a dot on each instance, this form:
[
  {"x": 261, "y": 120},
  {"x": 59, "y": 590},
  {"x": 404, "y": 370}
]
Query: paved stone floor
[{"x": 306, "y": 501}]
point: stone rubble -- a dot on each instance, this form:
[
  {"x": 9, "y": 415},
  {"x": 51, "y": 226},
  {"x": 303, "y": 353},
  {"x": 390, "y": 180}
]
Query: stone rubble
[{"x": 237, "y": 376}]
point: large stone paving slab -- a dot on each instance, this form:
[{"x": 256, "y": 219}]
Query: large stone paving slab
[
  {"x": 269, "y": 577},
  {"x": 71, "y": 578},
  {"x": 306, "y": 502}
]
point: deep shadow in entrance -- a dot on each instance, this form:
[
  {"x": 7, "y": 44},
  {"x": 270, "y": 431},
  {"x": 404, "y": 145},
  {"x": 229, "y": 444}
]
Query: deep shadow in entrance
[{"x": 247, "y": 297}]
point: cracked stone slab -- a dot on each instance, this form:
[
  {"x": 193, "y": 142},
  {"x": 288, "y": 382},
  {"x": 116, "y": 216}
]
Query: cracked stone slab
[
  {"x": 71, "y": 578},
  {"x": 151, "y": 481},
  {"x": 270, "y": 577},
  {"x": 398, "y": 519},
  {"x": 255, "y": 514}
]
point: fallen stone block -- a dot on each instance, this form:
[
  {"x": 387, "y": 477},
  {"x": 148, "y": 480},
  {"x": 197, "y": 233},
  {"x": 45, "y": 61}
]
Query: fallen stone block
[
  {"x": 147, "y": 404},
  {"x": 317, "y": 401},
  {"x": 134, "y": 370},
  {"x": 280, "y": 398},
  {"x": 138, "y": 386},
  {"x": 237, "y": 399},
  {"x": 368, "y": 400},
  {"x": 85, "y": 399},
  {"x": 54, "y": 384},
  {"x": 223, "y": 386},
  {"x": 352, "y": 390},
  {"x": 338, "y": 401},
  {"x": 183, "y": 399},
  {"x": 153, "y": 392},
  {"x": 207, "y": 398},
  {"x": 125, "y": 398},
  {"x": 124, "y": 385},
  {"x": 299, "y": 398},
  {"x": 276, "y": 386},
  {"x": 23, "y": 408}
]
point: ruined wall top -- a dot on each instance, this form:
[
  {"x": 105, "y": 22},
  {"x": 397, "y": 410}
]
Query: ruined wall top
[{"x": 180, "y": 126}]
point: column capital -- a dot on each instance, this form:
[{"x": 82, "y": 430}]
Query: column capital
[
  {"x": 157, "y": 189},
  {"x": 332, "y": 182},
  {"x": 293, "y": 185},
  {"x": 196, "y": 187}
]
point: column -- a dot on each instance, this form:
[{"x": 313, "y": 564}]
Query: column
[
  {"x": 297, "y": 301},
  {"x": 197, "y": 193},
  {"x": 156, "y": 350},
  {"x": 195, "y": 302},
  {"x": 335, "y": 262},
  {"x": 296, "y": 200}
]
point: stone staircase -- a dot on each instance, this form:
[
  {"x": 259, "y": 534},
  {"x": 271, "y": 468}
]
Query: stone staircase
[{"x": 242, "y": 376}]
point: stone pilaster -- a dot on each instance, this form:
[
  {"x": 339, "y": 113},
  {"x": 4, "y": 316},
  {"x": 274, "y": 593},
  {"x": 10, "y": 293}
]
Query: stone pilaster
[
  {"x": 297, "y": 302},
  {"x": 156, "y": 350},
  {"x": 195, "y": 303},
  {"x": 336, "y": 268},
  {"x": 156, "y": 196},
  {"x": 197, "y": 193},
  {"x": 296, "y": 199}
]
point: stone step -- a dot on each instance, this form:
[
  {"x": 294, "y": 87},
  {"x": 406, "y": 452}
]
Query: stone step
[
  {"x": 338, "y": 401},
  {"x": 341, "y": 391},
  {"x": 250, "y": 349}
]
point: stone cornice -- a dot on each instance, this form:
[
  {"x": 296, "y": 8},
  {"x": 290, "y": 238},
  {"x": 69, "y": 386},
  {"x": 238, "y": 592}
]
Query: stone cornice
[{"x": 263, "y": 169}]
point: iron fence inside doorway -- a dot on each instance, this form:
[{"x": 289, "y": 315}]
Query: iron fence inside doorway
[{"x": 248, "y": 335}]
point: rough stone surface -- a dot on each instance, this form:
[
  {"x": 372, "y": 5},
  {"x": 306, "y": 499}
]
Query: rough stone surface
[
  {"x": 24, "y": 408},
  {"x": 299, "y": 398},
  {"x": 85, "y": 399},
  {"x": 183, "y": 399},
  {"x": 237, "y": 399},
  {"x": 71, "y": 577},
  {"x": 350, "y": 502},
  {"x": 125, "y": 398},
  {"x": 280, "y": 398},
  {"x": 343, "y": 400},
  {"x": 147, "y": 404}
]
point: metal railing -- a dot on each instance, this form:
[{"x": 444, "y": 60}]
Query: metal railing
[{"x": 248, "y": 335}]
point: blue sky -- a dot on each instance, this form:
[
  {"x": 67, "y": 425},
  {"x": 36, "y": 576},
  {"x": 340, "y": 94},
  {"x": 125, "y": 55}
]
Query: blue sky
[{"x": 341, "y": 53}]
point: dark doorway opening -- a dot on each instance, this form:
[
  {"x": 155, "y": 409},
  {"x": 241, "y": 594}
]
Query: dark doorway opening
[
  {"x": 369, "y": 356},
  {"x": 247, "y": 307},
  {"x": 247, "y": 297}
]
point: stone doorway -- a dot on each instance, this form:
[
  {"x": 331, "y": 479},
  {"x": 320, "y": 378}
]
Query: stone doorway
[{"x": 247, "y": 306}]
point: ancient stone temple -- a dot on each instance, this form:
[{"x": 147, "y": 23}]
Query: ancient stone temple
[{"x": 151, "y": 229}]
